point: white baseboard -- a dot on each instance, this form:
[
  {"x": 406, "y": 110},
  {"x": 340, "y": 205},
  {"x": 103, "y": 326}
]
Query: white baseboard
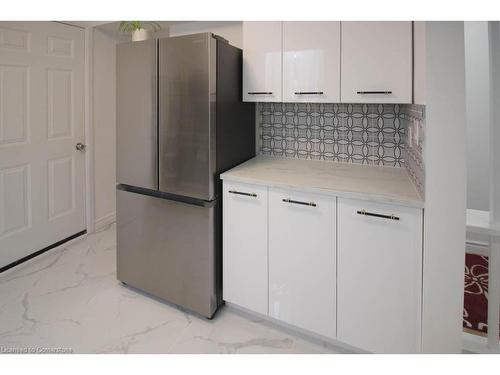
[
  {"x": 477, "y": 344},
  {"x": 335, "y": 345},
  {"x": 104, "y": 221},
  {"x": 477, "y": 240},
  {"x": 477, "y": 248}
]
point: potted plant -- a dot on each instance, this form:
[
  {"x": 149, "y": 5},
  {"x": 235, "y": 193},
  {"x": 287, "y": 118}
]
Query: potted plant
[{"x": 139, "y": 30}]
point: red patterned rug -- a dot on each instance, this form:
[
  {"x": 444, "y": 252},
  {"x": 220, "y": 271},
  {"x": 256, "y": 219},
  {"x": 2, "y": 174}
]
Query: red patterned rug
[{"x": 476, "y": 294}]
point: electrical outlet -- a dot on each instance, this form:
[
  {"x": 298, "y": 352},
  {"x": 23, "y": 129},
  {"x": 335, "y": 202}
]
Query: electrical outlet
[{"x": 416, "y": 133}]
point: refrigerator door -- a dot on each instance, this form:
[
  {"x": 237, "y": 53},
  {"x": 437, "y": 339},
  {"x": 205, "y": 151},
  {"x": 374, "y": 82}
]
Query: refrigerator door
[
  {"x": 167, "y": 248},
  {"x": 187, "y": 98},
  {"x": 136, "y": 114}
]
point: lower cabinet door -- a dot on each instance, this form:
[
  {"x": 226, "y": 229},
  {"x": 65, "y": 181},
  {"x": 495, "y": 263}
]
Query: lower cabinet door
[
  {"x": 244, "y": 248},
  {"x": 302, "y": 260},
  {"x": 379, "y": 276}
]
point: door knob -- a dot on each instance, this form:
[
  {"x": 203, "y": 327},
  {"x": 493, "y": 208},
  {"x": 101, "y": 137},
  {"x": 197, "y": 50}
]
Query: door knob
[{"x": 80, "y": 146}]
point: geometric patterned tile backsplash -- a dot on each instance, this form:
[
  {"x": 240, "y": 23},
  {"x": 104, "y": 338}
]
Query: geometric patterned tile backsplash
[
  {"x": 350, "y": 133},
  {"x": 372, "y": 134},
  {"x": 413, "y": 117}
]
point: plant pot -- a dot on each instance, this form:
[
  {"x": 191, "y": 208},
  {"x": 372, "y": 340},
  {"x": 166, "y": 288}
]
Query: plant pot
[{"x": 140, "y": 34}]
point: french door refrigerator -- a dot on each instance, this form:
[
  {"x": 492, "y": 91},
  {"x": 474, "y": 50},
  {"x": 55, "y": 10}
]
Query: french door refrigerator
[{"x": 180, "y": 123}]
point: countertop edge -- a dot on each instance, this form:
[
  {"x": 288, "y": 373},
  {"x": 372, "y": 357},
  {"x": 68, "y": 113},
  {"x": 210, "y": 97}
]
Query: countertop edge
[{"x": 337, "y": 193}]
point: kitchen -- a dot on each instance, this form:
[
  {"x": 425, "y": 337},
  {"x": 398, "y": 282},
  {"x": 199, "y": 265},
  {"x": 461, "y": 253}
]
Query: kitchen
[
  {"x": 280, "y": 188},
  {"x": 288, "y": 250}
]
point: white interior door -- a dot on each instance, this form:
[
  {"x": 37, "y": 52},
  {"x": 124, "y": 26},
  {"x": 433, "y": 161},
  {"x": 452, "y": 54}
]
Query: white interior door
[{"x": 42, "y": 175}]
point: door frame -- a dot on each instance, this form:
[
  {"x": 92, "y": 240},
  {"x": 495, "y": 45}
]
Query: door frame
[
  {"x": 88, "y": 124},
  {"x": 89, "y": 131}
]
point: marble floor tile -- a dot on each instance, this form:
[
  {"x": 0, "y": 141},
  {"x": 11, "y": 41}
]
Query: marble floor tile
[{"x": 69, "y": 298}]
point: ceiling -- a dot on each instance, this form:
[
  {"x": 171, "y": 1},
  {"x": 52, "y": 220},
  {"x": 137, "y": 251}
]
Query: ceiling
[{"x": 85, "y": 24}]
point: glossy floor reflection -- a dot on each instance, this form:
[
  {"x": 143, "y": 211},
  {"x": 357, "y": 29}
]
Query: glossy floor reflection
[{"x": 70, "y": 298}]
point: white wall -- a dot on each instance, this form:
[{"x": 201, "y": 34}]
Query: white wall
[
  {"x": 478, "y": 113},
  {"x": 445, "y": 188},
  {"x": 494, "y": 40},
  {"x": 104, "y": 108},
  {"x": 230, "y": 30},
  {"x": 494, "y": 277}
]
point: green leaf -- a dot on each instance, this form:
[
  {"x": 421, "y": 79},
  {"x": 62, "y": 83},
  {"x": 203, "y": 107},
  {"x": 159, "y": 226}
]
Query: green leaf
[{"x": 131, "y": 26}]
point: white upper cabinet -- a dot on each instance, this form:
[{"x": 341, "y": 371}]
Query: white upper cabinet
[
  {"x": 311, "y": 62},
  {"x": 376, "y": 62},
  {"x": 262, "y": 73}
]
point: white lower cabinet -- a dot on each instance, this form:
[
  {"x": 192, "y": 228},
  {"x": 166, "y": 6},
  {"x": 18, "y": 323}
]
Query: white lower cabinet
[
  {"x": 350, "y": 270},
  {"x": 244, "y": 259},
  {"x": 302, "y": 260},
  {"x": 379, "y": 277}
]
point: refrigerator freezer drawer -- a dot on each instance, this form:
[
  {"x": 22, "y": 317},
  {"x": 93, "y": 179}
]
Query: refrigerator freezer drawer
[{"x": 167, "y": 248}]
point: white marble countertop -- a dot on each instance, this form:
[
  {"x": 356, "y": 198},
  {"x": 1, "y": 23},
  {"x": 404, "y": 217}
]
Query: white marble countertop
[{"x": 375, "y": 183}]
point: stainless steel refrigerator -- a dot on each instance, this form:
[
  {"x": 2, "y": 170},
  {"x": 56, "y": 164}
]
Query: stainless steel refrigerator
[{"x": 180, "y": 123}]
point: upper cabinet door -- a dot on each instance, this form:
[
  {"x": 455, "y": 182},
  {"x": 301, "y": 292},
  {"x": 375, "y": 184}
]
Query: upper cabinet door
[
  {"x": 311, "y": 62},
  {"x": 376, "y": 62},
  {"x": 262, "y": 61}
]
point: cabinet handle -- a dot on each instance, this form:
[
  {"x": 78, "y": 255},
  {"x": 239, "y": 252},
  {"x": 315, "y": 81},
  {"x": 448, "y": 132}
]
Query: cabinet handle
[
  {"x": 374, "y": 92},
  {"x": 366, "y": 213},
  {"x": 309, "y": 93},
  {"x": 288, "y": 200},
  {"x": 260, "y": 93},
  {"x": 242, "y": 193}
]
